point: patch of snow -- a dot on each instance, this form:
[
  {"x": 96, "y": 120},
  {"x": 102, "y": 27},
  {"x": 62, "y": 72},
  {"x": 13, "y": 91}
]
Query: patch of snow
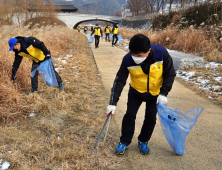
[
  {"x": 58, "y": 138},
  {"x": 217, "y": 78},
  {"x": 75, "y": 67},
  {"x": 212, "y": 65},
  {"x": 32, "y": 114},
  {"x": 5, "y": 165},
  {"x": 9, "y": 152},
  {"x": 216, "y": 87},
  {"x": 58, "y": 68}
]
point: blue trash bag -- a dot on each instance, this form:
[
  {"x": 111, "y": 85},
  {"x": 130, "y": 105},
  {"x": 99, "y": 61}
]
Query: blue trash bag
[
  {"x": 47, "y": 72},
  {"x": 119, "y": 38},
  {"x": 110, "y": 35},
  {"x": 87, "y": 32},
  {"x": 91, "y": 39},
  {"x": 176, "y": 125}
]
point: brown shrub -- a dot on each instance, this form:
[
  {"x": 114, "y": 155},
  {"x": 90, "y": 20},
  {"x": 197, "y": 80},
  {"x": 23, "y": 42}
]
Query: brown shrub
[{"x": 192, "y": 41}]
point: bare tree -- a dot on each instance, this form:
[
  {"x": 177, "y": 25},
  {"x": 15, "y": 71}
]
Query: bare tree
[
  {"x": 135, "y": 6},
  {"x": 171, "y": 2}
]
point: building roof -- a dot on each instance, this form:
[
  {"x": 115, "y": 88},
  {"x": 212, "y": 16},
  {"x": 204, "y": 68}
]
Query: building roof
[{"x": 57, "y": 7}]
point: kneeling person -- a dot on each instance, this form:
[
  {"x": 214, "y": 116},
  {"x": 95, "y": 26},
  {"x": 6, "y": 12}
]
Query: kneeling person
[
  {"x": 34, "y": 49},
  {"x": 152, "y": 75}
]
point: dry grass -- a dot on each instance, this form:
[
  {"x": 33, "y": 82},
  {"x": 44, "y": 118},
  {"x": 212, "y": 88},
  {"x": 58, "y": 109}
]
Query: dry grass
[
  {"x": 66, "y": 124},
  {"x": 192, "y": 41}
]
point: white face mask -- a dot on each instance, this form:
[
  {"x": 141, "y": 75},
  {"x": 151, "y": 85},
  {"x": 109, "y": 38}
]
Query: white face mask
[{"x": 138, "y": 60}]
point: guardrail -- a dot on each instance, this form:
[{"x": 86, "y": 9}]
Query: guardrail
[{"x": 96, "y": 16}]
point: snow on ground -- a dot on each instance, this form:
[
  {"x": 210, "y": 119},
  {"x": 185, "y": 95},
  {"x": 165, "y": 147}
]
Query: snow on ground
[
  {"x": 5, "y": 165},
  {"x": 212, "y": 65},
  {"x": 211, "y": 83},
  {"x": 63, "y": 61},
  {"x": 32, "y": 114}
]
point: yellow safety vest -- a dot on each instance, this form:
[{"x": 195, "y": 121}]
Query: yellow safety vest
[
  {"x": 97, "y": 31},
  {"x": 85, "y": 29},
  {"x": 107, "y": 30},
  {"x": 115, "y": 31},
  {"x": 139, "y": 79},
  {"x": 34, "y": 53},
  {"x": 78, "y": 28}
]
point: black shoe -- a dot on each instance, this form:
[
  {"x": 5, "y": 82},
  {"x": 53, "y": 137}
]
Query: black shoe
[
  {"x": 61, "y": 86},
  {"x": 31, "y": 92}
]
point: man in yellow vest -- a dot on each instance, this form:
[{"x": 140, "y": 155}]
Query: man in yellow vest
[
  {"x": 152, "y": 75},
  {"x": 97, "y": 32},
  {"x": 85, "y": 29},
  {"x": 115, "y": 32},
  {"x": 78, "y": 29},
  {"x": 34, "y": 49},
  {"x": 107, "y": 31}
]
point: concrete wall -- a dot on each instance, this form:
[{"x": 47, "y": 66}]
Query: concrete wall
[{"x": 136, "y": 23}]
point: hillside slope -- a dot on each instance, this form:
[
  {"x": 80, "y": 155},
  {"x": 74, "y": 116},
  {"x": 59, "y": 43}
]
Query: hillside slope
[{"x": 99, "y": 7}]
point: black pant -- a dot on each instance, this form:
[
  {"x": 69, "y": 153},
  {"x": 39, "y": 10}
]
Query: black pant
[
  {"x": 34, "y": 80},
  {"x": 115, "y": 36},
  {"x": 107, "y": 36},
  {"x": 135, "y": 99},
  {"x": 96, "y": 40}
]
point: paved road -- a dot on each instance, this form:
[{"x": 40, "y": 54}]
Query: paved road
[{"x": 204, "y": 143}]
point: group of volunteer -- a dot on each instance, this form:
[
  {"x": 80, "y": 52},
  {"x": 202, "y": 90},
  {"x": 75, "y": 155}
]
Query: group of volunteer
[
  {"x": 149, "y": 66},
  {"x": 97, "y": 31}
]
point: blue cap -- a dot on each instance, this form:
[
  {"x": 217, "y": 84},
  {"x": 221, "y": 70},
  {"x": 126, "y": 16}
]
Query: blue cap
[{"x": 12, "y": 43}]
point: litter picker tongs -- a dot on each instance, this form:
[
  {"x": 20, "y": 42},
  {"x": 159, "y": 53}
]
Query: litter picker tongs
[{"x": 109, "y": 117}]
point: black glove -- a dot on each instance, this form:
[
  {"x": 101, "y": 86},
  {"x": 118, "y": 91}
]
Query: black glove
[
  {"x": 13, "y": 77},
  {"x": 47, "y": 56}
]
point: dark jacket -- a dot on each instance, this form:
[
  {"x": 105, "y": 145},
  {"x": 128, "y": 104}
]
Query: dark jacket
[
  {"x": 123, "y": 73},
  {"x": 25, "y": 43},
  {"x": 106, "y": 28},
  {"x": 96, "y": 29},
  {"x": 114, "y": 28}
]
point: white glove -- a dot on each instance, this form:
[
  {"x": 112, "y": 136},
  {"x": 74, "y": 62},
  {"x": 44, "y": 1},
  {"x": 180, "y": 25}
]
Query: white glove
[
  {"x": 161, "y": 98},
  {"x": 111, "y": 108}
]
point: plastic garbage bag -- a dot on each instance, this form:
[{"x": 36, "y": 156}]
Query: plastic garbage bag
[
  {"x": 47, "y": 72},
  {"x": 110, "y": 35},
  {"x": 176, "y": 125},
  {"x": 87, "y": 32},
  {"x": 91, "y": 39},
  {"x": 119, "y": 38}
]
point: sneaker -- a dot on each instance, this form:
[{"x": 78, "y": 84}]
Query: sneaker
[
  {"x": 61, "y": 86},
  {"x": 121, "y": 149},
  {"x": 31, "y": 92},
  {"x": 144, "y": 149}
]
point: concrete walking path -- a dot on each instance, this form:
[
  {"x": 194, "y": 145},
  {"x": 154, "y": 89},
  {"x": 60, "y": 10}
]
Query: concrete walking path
[{"x": 203, "y": 144}]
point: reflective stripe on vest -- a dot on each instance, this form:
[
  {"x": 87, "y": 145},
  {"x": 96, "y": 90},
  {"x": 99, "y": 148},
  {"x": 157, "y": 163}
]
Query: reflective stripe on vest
[
  {"x": 34, "y": 53},
  {"x": 97, "y": 31},
  {"x": 115, "y": 31},
  {"x": 107, "y": 30}
]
